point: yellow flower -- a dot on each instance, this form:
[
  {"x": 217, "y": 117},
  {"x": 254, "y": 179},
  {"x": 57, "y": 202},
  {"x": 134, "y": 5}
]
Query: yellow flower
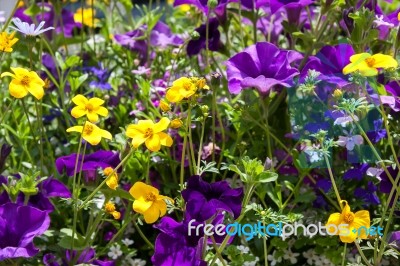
[
  {"x": 398, "y": 16},
  {"x": 164, "y": 106},
  {"x": 25, "y": 81},
  {"x": 200, "y": 83},
  {"x": 92, "y": 108},
  {"x": 91, "y": 133},
  {"x": 337, "y": 94},
  {"x": 181, "y": 88},
  {"x": 112, "y": 181},
  {"x": 367, "y": 64},
  {"x": 88, "y": 17},
  {"x": 148, "y": 202},
  {"x": 353, "y": 221},
  {"x": 149, "y": 133},
  {"x": 7, "y": 41},
  {"x": 110, "y": 208},
  {"x": 176, "y": 123}
]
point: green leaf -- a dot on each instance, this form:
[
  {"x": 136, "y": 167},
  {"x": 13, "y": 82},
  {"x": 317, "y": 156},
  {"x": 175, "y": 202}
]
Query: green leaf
[
  {"x": 33, "y": 10},
  {"x": 66, "y": 240},
  {"x": 267, "y": 176}
]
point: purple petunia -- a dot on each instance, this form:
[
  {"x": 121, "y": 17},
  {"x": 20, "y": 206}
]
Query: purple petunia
[
  {"x": 214, "y": 44},
  {"x": 133, "y": 40},
  {"x": 91, "y": 162},
  {"x": 293, "y": 8},
  {"x": 19, "y": 225},
  {"x": 101, "y": 74},
  {"x": 261, "y": 66},
  {"x": 86, "y": 256},
  {"x": 161, "y": 36},
  {"x": 205, "y": 200},
  {"x": 368, "y": 195},
  {"x": 219, "y": 10}
]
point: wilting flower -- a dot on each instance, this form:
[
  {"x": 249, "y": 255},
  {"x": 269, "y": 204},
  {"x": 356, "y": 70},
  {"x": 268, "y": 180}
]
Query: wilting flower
[
  {"x": 19, "y": 225},
  {"x": 92, "y": 108},
  {"x": 86, "y": 16},
  {"x": 90, "y": 163},
  {"x": 204, "y": 200},
  {"x": 29, "y": 30},
  {"x": 112, "y": 180},
  {"x": 25, "y": 81},
  {"x": 109, "y": 207},
  {"x": 354, "y": 222},
  {"x": 368, "y": 64},
  {"x": 149, "y": 133},
  {"x": 148, "y": 202},
  {"x": 91, "y": 133},
  {"x": 7, "y": 41},
  {"x": 261, "y": 66}
]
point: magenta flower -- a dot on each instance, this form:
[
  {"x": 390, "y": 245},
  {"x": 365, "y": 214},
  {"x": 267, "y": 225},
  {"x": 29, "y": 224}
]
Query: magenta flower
[
  {"x": 19, "y": 225},
  {"x": 261, "y": 66}
]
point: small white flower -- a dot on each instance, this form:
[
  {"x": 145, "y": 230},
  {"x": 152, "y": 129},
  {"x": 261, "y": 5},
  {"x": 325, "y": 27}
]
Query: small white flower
[
  {"x": 310, "y": 255},
  {"x": 243, "y": 249},
  {"x": 27, "y": 29},
  {"x": 273, "y": 259},
  {"x": 127, "y": 242},
  {"x": 380, "y": 22},
  {"x": 2, "y": 17},
  {"x": 250, "y": 263},
  {"x": 135, "y": 262},
  {"x": 290, "y": 255},
  {"x": 115, "y": 252}
]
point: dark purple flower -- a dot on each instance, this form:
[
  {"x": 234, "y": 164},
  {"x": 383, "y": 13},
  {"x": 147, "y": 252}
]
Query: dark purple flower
[
  {"x": 271, "y": 26},
  {"x": 101, "y": 77},
  {"x": 293, "y": 8},
  {"x": 162, "y": 37},
  {"x": 214, "y": 44},
  {"x": 385, "y": 184},
  {"x": 174, "y": 246},
  {"x": 19, "y": 225},
  {"x": 392, "y": 101},
  {"x": 356, "y": 173},
  {"x": 85, "y": 256},
  {"x": 261, "y": 66},
  {"x": 4, "y": 152},
  {"x": 204, "y": 200},
  {"x": 91, "y": 162},
  {"x": 367, "y": 195},
  {"x": 64, "y": 24},
  {"x": 378, "y": 133},
  {"x": 395, "y": 239},
  {"x": 50, "y": 260},
  {"x": 219, "y": 10}
]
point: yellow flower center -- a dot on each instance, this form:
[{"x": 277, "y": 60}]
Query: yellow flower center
[
  {"x": 151, "y": 197},
  {"x": 349, "y": 218},
  {"x": 25, "y": 80},
  {"x": 89, "y": 107},
  {"x": 370, "y": 61},
  {"x": 88, "y": 129},
  {"x": 148, "y": 133},
  {"x": 187, "y": 86},
  {"x": 110, "y": 207}
]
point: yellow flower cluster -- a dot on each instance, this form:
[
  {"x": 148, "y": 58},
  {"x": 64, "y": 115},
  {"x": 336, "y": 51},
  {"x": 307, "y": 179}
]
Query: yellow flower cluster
[
  {"x": 368, "y": 64},
  {"x": 184, "y": 88},
  {"x": 110, "y": 209},
  {"x": 86, "y": 16},
  {"x": 112, "y": 178},
  {"x": 7, "y": 41}
]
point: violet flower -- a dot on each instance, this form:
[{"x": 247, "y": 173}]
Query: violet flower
[
  {"x": 357, "y": 172},
  {"x": 395, "y": 239},
  {"x": 261, "y": 66},
  {"x": 101, "y": 74},
  {"x": 367, "y": 195},
  {"x": 19, "y": 225},
  {"x": 219, "y": 10},
  {"x": 214, "y": 44},
  {"x": 204, "y": 200},
  {"x": 86, "y": 256},
  {"x": 378, "y": 133},
  {"x": 91, "y": 162},
  {"x": 174, "y": 246},
  {"x": 293, "y": 8},
  {"x": 133, "y": 40},
  {"x": 161, "y": 36}
]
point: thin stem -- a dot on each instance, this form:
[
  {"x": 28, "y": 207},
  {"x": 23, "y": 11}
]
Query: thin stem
[
  {"x": 344, "y": 254},
  {"x": 333, "y": 180},
  {"x": 200, "y": 146},
  {"x": 362, "y": 254},
  {"x": 142, "y": 235},
  {"x": 188, "y": 118},
  {"x": 39, "y": 122},
  {"x": 265, "y": 248}
]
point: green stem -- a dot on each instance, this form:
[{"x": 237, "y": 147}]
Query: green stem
[
  {"x": 344, "y": 254},
  {"x": 362, "y": 254},
  {"x": 142, "y": 235},
  {"x": 333, "y": 181},
  {"x": 39, "y": 122},
  {"x": 265, "y": 248},
  {"x": 200, "y": 146},
  {"x": 188, "y": 118}
]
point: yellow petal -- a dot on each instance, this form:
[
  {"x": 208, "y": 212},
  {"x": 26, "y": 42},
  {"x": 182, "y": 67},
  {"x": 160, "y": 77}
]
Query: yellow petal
[
  {"x": 141, "y": 206},
  {"x": 138, "y": 140},
  {"x": 366, "y": 70},
  {"x": 361, "y": 219},
  {"x": 161, "y": 206},
  {"x": 142, "y": 125},
  {"x": 358, "y": 58},
  {"x": 165, "y": 139},
  {"x": 7, "y": 74},
  {"x": 93, "y": 139},
  {"x": 78, "y": 111},
  {"x": 19, "y": 71},
  {"x": 102, "y": 111},
  {"x": 93, "y": 117},
  {"x": 334, "y": 219},
  {"x": 345, "y": 207},
  {"x": 153, "y": 143},
  {"x": 384, "y": 61},
  {"x": 173, "y": 95},
  {"x": 140, "y": 190},
  {"x": 36, "y": 79},
  {"x": 152, "y": 214},
  {"x": 17, "y": 90},
  {"x": 75, "y": 129},
  {"x": 132, "y": 130},
  {"x": 350, "y": 237},
  {"x": 96, "y": 101},
  {"x": 161, "y": 125},
  {"x": 80, "y": 100},
  {"x": 105, "y": 134},
  {"x": 36, "y": 90}
]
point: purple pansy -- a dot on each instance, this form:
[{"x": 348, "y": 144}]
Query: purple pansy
[
  {"x": 19, "y": 225},
  {"x": 174, "y": 246},
  {"x": 378, "y": 133},
  {"x": 385, "y": 184},
  {"x": 395, "y": 239},
  {"x": 161, "y": 36},
  {"x": 101, "y": 77},
  {"x": 214, "y": 44},
  {"x": 261, "y": 66},
  {"x": 133, "y": 40},
  {"x": 357, "y": 172},
  {"x": 368, "y": 195},
  {"x": 205, "y": 200},
  {"x": 393, "y": 101},
  {"x": 91, "y": 162}
]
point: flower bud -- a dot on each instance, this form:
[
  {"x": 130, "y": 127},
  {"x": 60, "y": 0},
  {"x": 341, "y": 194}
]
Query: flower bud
[
  {"x": 212, "y": 3},
  {"x": 195, "y": 35},
  {"x": 176, "y": 123},
  {"x": 164, "y": 106},
  {"x": 205, "y": 110},
  {"x": 337, "y": 94}
]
